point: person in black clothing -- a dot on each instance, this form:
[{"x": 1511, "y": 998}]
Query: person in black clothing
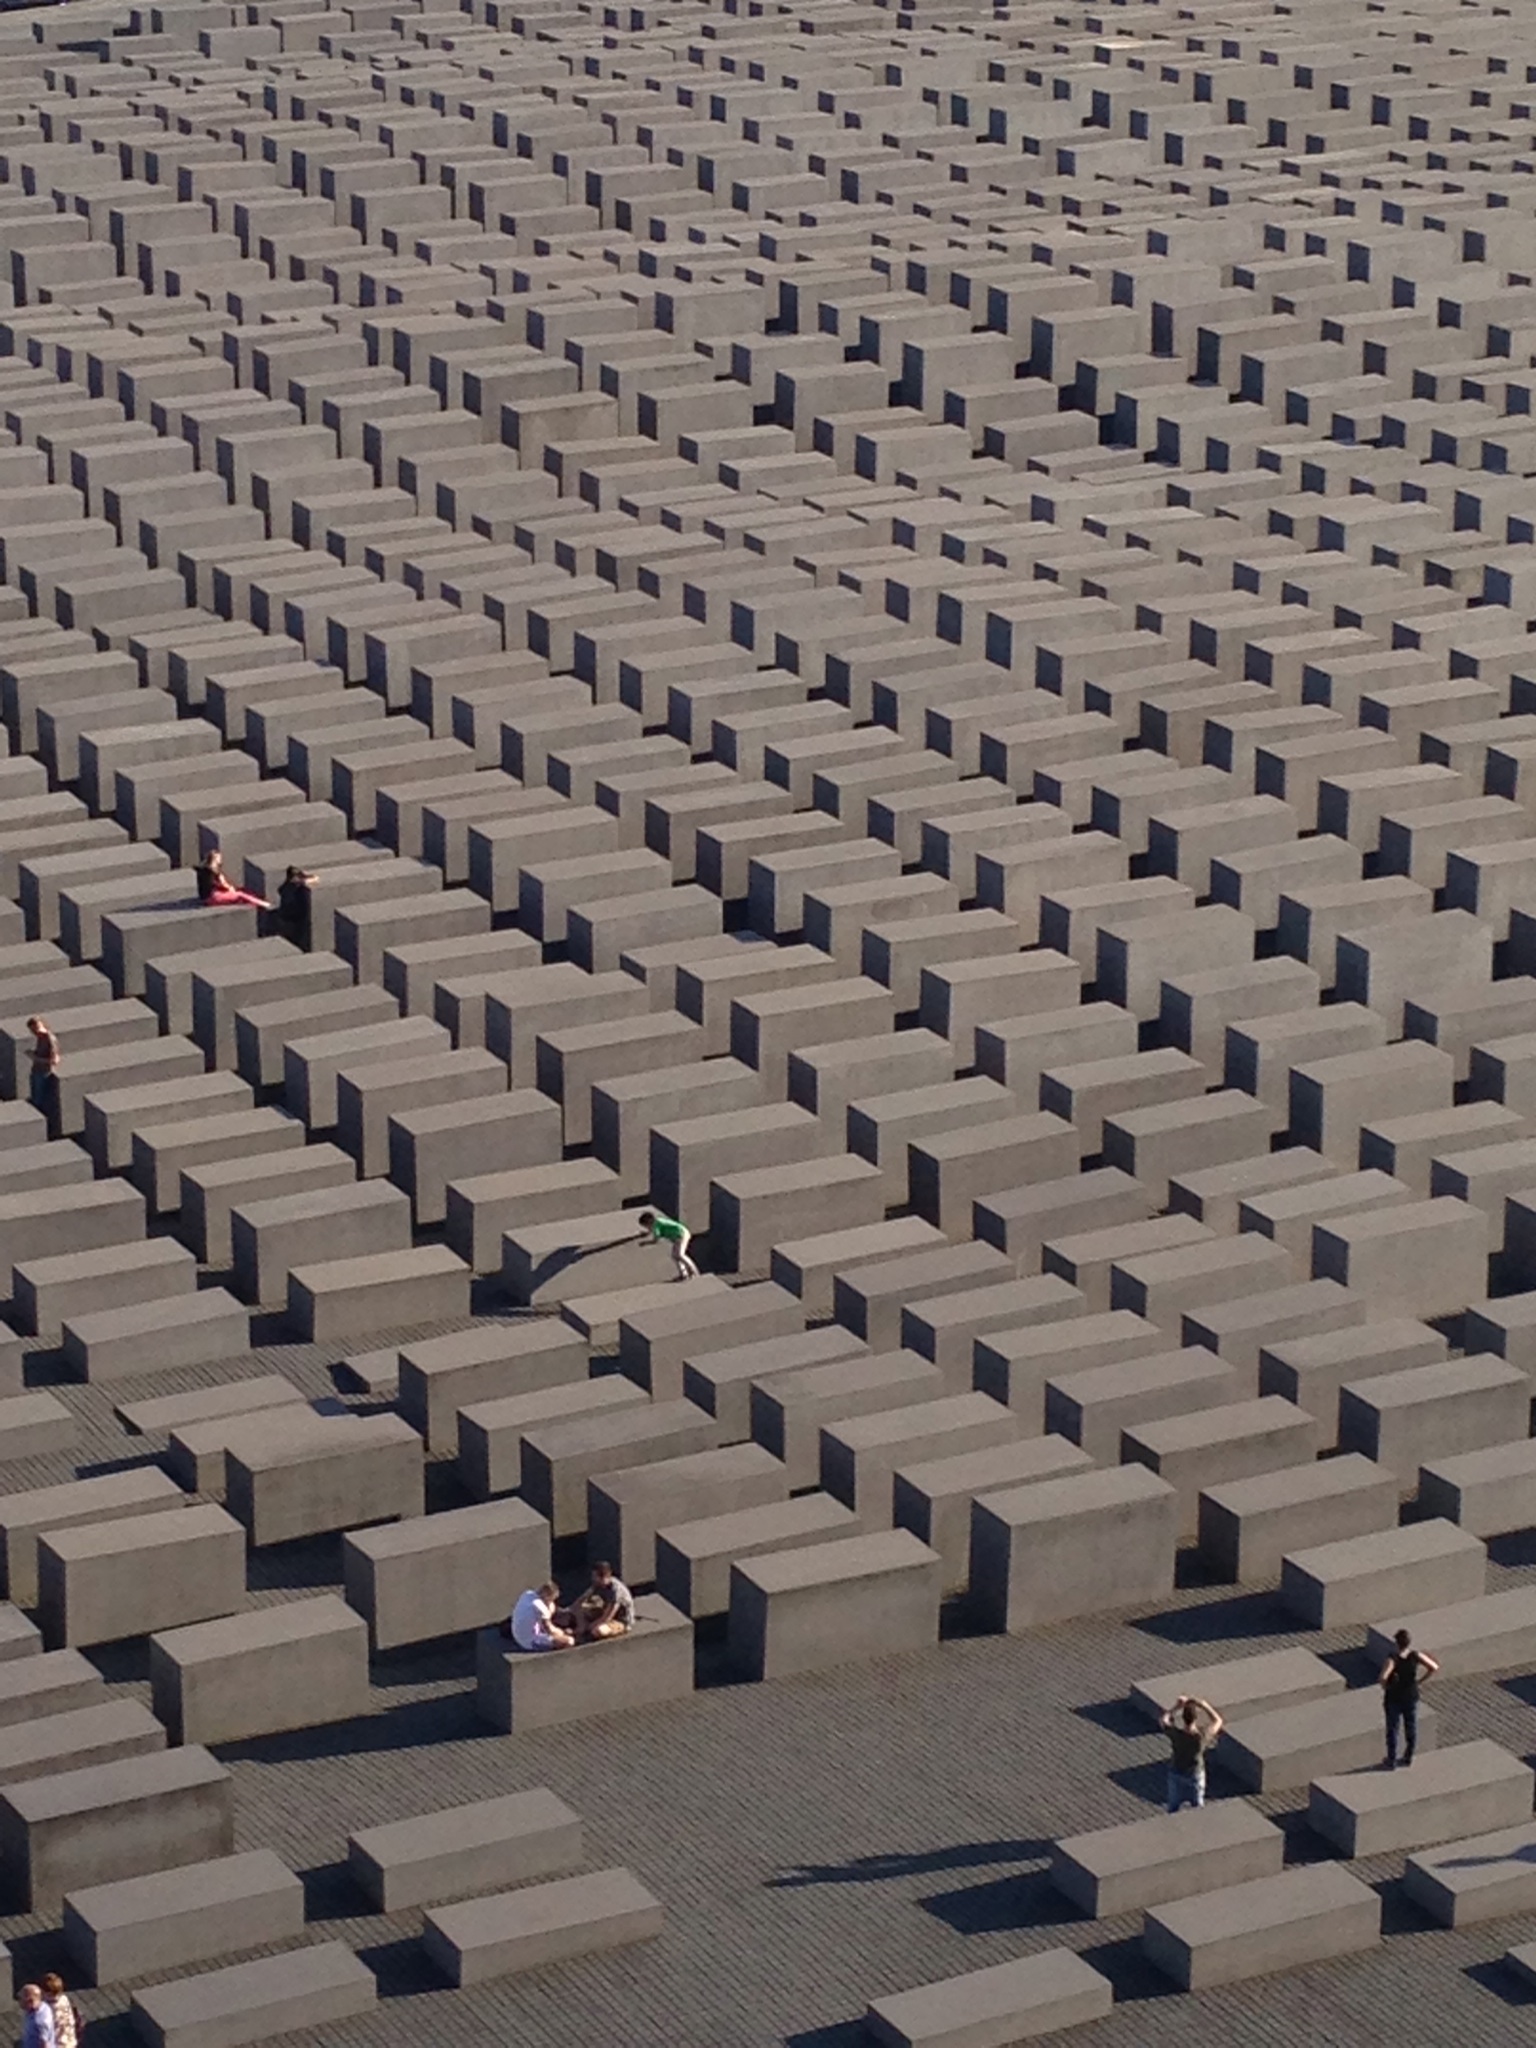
[
  {"x": 294, "y": 906},
  {"x": 1401, "y": 1676},
  {"x": 214, "y": 888},
  {"x": 1189, "y": 1737}
]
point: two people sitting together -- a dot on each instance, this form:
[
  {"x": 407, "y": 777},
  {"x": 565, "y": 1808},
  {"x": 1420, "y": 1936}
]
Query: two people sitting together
[{"x": 539, "y": 1622}]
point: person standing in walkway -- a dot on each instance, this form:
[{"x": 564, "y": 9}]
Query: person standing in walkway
[
  {"x": 37, "y": 2029},
  {"x": 43, "y": 1080},
  {"x": 295, "y": 906},
  {"x": 215, "y": 889},
  {"x": 1191, "y": 1726},
  {"x": 655, "y": 1228},
  {"x": 1401, "y": 1676},
  {"x": 66, "y": 2021}
]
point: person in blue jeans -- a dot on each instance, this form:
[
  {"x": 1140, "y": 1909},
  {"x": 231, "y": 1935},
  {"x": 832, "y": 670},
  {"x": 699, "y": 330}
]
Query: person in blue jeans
[
  {"x": 1400, "y": 1678},
  {"x": 1191, "y": 1726}
]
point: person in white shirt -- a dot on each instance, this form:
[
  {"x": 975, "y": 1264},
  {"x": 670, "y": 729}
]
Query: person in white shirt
[{"x": 533, "y": 1621}]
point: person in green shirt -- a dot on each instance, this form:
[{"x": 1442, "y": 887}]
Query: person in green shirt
[{"x": 656, "y": 1228}]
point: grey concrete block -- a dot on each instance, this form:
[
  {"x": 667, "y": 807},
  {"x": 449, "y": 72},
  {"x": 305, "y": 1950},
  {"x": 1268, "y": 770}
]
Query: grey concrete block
[
  {"x": 1469, "y": 1785},
  {"x": 102, "y": 1582},
  {"x": 170, "y": 1918},
  {"x": 1145, "y": 1863},
  {"x": 151, "y": 1270},
  {"x": 465, "y": 1849},
  {"x": 263, "y": 1030},
  {"x": 1333, "y": 1583},
  {"x": 1462, "y": 1404},
  {"x": 165, "y": 1412},
  {"x": 438, "y": 1575},
  {"x": 1084, "y": 1544},
  {"x": 56, "y": 1682},
  {"x": 112, "y": 1496},
  {"x": 1488, "y": 1492},
  {"x": 1311, "y": 1371},
  {"x": 491, "y": 1432},
  {"x": 252, "y": 2001},
  {"x": 1478, "y": 1632},
  {"x": 211, "y": 1192},
  {"x": 442, "y": 1375},
  {"x": 1237, "y": 1440},
  {"x": 156, "y": 1336},
  {"x": 162, "y": 1152},
  {"x": 542, "y": 1925},
  {"x": 1271, "y": 1923},
  {"x": 1248, "y": 1525},
  {"x": 625, "y": 1506},
  {"x": 559, "y": 1457},
  {"x": 651, "y": 1665},
  {"x": 33, "y": 1425},
  {"x": 270, "y": 1238},
  {"x": 654, "y": 1342},
  {"x": 1485, "y": 1877},
  {"x": 456, "y": 1145},
  {"x": 1093, "y": 1406},
  {"x": 111, "y": 1821},
  {"x": 75, "y": 1738},
  {"x": 933, "y": 1496},
  {"x": 282, "y": 1484},
  {"x": 1039, "y": 1994},
  {"x": 811, "y": 1609},
  {"x": 195, "y": 1451},
  {"x": 1243, "y": 1686},
  {"x": 694, "y": 1557},
  {"x": 297, "y": 1665}
]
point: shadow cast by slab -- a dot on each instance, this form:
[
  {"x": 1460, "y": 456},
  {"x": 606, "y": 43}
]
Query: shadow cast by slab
[
  {"x": 331, "y": 1893},
  {"x": 1132, "y": 1976},
  {"x": 447, "y": 1659},
  {"x": 896, "y": 1863},
  {"x": 402, "y": 1968},
  {"x": 1006, "y": 1905},
  {"x": 415, "y": 1724},
  {"x": 1399, "y": 1913},
  {"x": 1115, "y": 1717},
  {"x": 841, "y": 2034},
  {"x": 1243, "y": 1615},
  {"x": 1496, "y": 1976}
]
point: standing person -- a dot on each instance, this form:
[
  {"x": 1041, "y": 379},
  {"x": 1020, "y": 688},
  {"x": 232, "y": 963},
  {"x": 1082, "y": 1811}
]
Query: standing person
[
  {"x": 1188, "y": 1740},
  {"x": 215, "y": 889},
  {"x": 37, "y": 2029},
  {"x": 658, "y": 1229},
  {"x": 66, "y": 2022},
  {"x": 534, "y": 1626},
  {"x": 295, "y": 906},
  {"x": 43, "y": 1081},
  {"x": 1401, "y": 1676}
]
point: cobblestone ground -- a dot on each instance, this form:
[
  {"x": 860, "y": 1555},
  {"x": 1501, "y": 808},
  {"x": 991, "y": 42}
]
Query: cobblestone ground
[{"x": 816, "y": 1842}]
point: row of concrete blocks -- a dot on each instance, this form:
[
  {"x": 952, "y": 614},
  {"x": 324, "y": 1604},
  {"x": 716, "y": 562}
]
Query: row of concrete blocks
[{"x": 1219, "y": 1908}]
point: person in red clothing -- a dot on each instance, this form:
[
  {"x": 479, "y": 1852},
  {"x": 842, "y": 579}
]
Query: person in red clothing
[{"x": 214, "y": 888}]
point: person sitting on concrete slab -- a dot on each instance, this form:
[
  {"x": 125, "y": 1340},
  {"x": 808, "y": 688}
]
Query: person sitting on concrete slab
[
  {"x": 66, "y": 2021},
  {"x": 660, "y": 1229},
  {"x": 1188, "y": 1740},
  {"x": 1400, "y": 1679},
  {"x": 536, "y": 1619},
  {"x": 215, "y": 889},
  {"x": 43, "y": 1081},
  {"x": 37, "y": 2029},
  {"x": 294, "y": 906},
  {"x": 607, "y": 1608}
]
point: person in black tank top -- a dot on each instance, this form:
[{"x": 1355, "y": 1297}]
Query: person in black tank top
[{"x": 1400, "y": 1678}]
